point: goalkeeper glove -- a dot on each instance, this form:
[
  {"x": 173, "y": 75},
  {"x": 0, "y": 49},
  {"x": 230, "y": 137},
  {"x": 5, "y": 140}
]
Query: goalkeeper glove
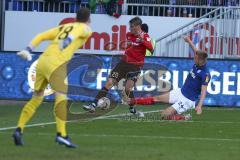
[{"x": 25, "y": 54}]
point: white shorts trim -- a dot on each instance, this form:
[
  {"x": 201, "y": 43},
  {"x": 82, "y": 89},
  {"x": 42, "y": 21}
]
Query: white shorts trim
[{"x": 180, "y": 103}]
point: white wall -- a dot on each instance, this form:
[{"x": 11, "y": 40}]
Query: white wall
[{"x": 21, "y": 27}]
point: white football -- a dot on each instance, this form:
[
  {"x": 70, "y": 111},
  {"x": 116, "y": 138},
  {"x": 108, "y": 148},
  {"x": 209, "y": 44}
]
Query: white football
[{"x": 104, "y": 103}]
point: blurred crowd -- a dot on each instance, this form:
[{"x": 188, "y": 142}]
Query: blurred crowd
[
  {"x": 189, "y": 2},
  {"x": 178, "y": 8}
]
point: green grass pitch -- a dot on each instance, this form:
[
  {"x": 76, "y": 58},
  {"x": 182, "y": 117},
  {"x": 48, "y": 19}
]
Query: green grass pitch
[{"x": 215, "y": 135}]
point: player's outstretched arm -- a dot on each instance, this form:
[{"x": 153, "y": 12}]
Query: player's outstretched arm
[
  {"x": 202, "y": 97},
  {"x": 44, "y": 36},
  {"x": 187, "y": 39},
  {"x": 25, "y": 54},
  {"x": 48, "y": 35},
  {"x": 147, "y": 42}
]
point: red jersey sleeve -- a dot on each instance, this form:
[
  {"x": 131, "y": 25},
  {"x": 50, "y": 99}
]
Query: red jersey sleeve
[
  {"x": 147, "y": 42},
  {"x": 128, "y": 35}
]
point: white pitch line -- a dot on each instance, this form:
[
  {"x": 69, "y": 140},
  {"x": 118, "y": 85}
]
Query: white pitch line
[
  {"x": 162, "y": 137},
  {"x": 123, "y": 114},
  {"x": 143, "y": 136},
  {"x": 28, "y": 126},
  {"x": 116, "y": 116},
  {"x": 49, "y": 123}
]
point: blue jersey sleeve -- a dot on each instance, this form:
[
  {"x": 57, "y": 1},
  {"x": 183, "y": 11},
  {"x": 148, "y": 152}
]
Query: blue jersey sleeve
[{"x": 205, "y": 78}]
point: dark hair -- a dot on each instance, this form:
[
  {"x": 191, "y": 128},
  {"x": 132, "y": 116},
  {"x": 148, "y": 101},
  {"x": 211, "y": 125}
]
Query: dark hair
[
  {"x": 202, "y": 54},
  {"x": 136, "y": 21},
  {"x": 144, "y": 27},
  {"x": 83, "y": 15}
]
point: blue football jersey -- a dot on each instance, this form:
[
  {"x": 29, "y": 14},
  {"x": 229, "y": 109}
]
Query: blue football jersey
[{"x": 198, "y": 76}]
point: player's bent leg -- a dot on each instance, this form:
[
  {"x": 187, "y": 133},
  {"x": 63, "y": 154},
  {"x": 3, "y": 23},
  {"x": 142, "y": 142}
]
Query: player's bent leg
[
  {"x": 125, "y": 99},
  {"x": 127, "y": 92},
  {"x": 17, "y": 137},
  {"x": 142, "y": 101},
  {"x": 150, "y": 100},
  {"x": 60, "y": 112},
  {"x": 168, "y": 112},
  {"x": 171, "y": 114},
  {"x": 162, "y": 98},
  {"x": 26, "y": 114},
  {"x": 102, "y": 93},
  {"x": 29, "y": 109},
  {"x": 110, "y": 83},
  {"x": 65, "y": 141},
  {"x": 128, "y": 95}
]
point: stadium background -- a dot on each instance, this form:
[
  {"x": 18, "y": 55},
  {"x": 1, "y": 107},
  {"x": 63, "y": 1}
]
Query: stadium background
[
  {"x": 119, "y": 135},
  {"x": 225, "y": 83}
]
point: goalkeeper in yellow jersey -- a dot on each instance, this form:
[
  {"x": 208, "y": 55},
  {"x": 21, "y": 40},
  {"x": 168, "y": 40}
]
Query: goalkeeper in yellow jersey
[{"x": 65, "y": 40}]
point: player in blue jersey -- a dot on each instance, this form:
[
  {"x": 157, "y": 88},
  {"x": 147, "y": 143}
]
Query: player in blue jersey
[{"x": 185, "y": 98}]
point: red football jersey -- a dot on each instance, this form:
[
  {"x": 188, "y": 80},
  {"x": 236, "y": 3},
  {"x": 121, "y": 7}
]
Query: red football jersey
[{"x": 135, "y": 53}]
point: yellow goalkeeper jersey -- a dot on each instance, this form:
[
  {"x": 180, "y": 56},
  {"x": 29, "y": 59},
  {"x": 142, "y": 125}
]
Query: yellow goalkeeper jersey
[{"x": 65, "y": 40}]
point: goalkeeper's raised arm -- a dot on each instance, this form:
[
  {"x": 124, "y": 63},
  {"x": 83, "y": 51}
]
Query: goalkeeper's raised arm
[{"x": 48, "y": 35}]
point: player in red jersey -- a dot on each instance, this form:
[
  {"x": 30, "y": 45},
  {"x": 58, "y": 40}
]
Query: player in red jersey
[{"x": 130, "y": 65}]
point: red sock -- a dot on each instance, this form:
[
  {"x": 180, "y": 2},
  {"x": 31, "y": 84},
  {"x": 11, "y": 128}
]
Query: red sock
[
  {"x": 142, "y": 100},
  {"x": 175, "y": 117}
]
